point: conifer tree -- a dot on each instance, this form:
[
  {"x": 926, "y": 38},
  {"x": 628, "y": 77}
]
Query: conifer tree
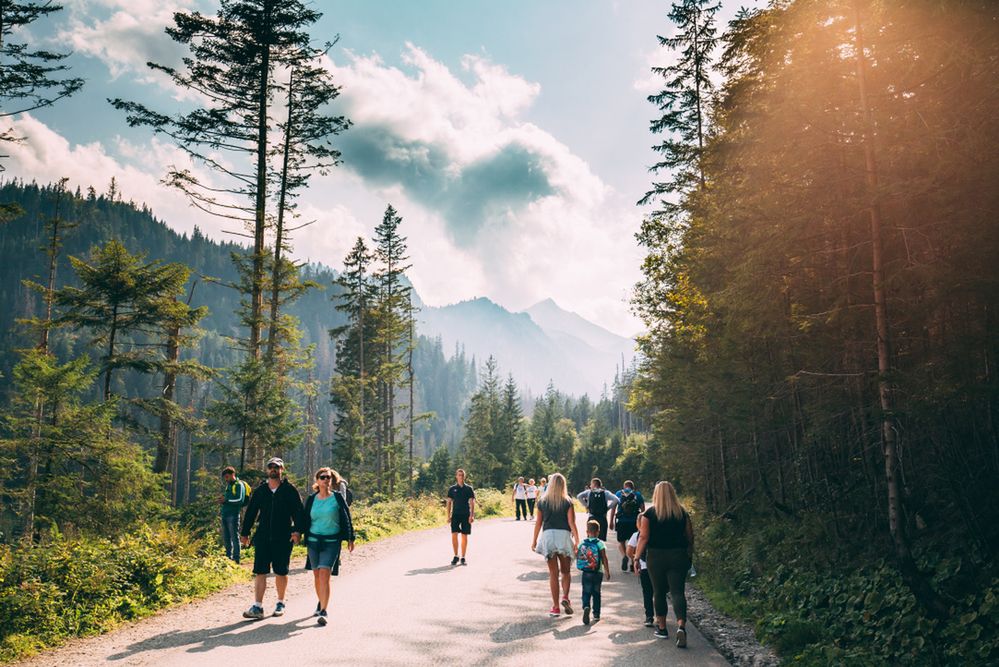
[{"x": 30, "y": 78}]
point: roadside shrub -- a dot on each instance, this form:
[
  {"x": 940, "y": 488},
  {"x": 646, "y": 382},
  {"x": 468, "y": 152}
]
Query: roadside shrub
[
  {"x": 815, "y": 610},
  {"x": 87, "y": 585}
]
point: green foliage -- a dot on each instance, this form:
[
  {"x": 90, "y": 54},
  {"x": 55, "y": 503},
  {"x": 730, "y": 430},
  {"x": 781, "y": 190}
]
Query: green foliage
[
  {"x": 74, "y": 587},
  {"x": 819, "y": 609},
  {"x": 390, "y": 517}
]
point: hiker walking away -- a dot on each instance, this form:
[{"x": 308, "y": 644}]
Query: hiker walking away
[
  {"x": 643, "y": 573},
  {"x": 460, "y": 514},
  {"x": 326, "y": 525},
  {"x": 591, "y": 559},
  {"x": 532, "y": 496},
  {"x": 624, "y": 521},
  {"x": 598, "y": 502},
  {"x": 666, "y": 539},
  {"x": 556, "y": 525},
  {"x": 520, "y": 498},
  {"x": 235, "y": 494},
  {"x": 278, "y": 506}
]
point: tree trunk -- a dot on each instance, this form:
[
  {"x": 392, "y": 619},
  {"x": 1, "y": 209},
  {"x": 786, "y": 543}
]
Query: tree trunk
[
  {"x": 164, "y": 445},
  {"x": 111, "y": 336},
  {"x": 932, "y": 601},
  {"x": 279, "y": 231}
]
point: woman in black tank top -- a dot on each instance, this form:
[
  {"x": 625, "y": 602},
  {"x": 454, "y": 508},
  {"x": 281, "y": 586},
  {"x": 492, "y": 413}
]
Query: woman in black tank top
[{"x": 666, "y": 539}]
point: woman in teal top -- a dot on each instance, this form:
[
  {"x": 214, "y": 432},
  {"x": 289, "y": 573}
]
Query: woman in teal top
[{"x": 327, "y": 525}]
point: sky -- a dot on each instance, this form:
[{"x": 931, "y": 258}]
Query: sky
[{"x": 511, "y": 137}]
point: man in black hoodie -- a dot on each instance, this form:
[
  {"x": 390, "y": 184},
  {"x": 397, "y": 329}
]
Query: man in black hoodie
[{"x": 278, "y": 505}]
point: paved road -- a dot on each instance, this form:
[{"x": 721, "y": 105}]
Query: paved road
[{"x": 398, "y": 602}]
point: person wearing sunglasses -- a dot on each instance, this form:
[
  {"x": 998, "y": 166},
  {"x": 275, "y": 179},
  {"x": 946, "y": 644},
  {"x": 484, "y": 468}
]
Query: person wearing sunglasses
[
  {"x": 278, "y": 506},
  {"x": 327, "y": 524}
]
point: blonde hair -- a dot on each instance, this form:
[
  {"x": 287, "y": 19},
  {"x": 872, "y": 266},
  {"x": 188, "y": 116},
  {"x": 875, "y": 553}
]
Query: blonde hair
[
  {"x": 334, "y": 478},
  {"x": 555, "y": 497},
  {"x": 665, "y": 502}
]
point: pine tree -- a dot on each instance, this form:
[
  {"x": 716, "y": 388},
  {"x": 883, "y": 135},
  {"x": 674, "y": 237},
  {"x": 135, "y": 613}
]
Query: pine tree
[
  {"x": 29, "y": 79},
  {"x": 121, "y": 297}
]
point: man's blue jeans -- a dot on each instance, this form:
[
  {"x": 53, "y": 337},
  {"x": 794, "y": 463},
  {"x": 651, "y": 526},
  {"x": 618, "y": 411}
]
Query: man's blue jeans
[
  {"x": 591, "y": 589},
  {"x": 230, "y": 536}
]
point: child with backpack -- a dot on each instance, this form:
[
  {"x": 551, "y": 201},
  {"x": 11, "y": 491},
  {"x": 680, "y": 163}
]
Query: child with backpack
[{"x": 591, "y": 560}]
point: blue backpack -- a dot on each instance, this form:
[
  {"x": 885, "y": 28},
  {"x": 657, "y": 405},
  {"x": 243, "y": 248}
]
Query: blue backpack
[{"x": 588, "y": 555}]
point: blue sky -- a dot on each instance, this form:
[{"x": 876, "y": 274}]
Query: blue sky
[{"x": 512, "y": 137}]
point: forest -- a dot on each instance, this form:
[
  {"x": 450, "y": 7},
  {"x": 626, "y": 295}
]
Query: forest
[
  {"x": 820, "y": 294},
  {"x": 817, "y": 373}
]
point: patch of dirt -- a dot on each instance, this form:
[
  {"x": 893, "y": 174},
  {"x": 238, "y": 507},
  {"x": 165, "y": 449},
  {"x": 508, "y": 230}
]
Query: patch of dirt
[{"x": 734, "y": 639}]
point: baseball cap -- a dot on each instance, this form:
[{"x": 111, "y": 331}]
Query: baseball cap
[{"x": 275, "y": 461}]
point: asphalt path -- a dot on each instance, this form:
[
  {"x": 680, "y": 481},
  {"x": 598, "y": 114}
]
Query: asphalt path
[{"x": 399, "y": 602}]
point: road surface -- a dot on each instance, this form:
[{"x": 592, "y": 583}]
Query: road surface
[{"x": 399, "y": 602}]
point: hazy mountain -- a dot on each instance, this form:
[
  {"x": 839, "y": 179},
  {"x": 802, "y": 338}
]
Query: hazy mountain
[{"x": 545, "y": 344}]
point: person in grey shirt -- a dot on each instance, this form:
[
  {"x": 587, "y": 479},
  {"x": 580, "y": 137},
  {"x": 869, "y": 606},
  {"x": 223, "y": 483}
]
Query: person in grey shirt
[{"x": 598, "y": 501}]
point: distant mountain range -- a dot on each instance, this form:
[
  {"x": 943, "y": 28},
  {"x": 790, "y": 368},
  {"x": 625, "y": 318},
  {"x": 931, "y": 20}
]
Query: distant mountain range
[{"x": 540, "y": 345}]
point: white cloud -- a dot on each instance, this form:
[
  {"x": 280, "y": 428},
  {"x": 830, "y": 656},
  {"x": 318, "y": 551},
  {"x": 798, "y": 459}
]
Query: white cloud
[
  {"x": 496, "y": 205},
  {"x": 126, "y": 34}
]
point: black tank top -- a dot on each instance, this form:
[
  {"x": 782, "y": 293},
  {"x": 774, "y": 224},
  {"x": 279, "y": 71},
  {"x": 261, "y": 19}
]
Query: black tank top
[
  {"x": 668, "y": 534},
  {"x": 554, "y": 519}
]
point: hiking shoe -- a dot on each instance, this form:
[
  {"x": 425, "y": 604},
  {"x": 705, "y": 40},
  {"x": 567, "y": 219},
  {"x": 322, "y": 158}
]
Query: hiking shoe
[
  {"x": 662, "y": 633},
  {"x": 566, "y": 607},
  {"x": 255, "y": 612},
  {"x": 596, "y": 617},
  {"x": 624, "y": 564},
  {"x": 649, "y": 622},
  {"x": 586, "y": 615},
  {"x": 554, "y": 611},
  {"x": 279, "y": 609},
  {"x": 318, "y": 609},
  {"x": 323, "y": 618},
  {"x": 454, "y": 561},
  {"x": 681, "y": 638},
  {"x": 463, "y": 562}
]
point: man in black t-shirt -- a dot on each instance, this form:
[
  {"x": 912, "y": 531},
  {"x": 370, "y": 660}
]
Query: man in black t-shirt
[{"x": 460, "y": 513}]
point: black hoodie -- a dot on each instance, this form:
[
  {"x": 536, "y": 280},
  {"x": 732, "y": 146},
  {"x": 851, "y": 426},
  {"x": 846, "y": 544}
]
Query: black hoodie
[{"x": 280, "y": 513}]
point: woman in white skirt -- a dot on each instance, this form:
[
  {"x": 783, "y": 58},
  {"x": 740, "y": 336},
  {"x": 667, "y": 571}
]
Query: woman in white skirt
[{"x": 556, "y": 524}]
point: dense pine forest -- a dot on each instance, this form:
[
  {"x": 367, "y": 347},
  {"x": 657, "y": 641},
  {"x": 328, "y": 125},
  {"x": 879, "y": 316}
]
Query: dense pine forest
[{"x": 820, "y": 293}]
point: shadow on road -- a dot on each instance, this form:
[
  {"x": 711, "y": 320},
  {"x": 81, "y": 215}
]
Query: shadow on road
[
  {"x": 536, "y": 575},
  {"x": 631, "y": 637},
  {"x": 206, "y": 639},
  {"x": 431, "y": 570}
]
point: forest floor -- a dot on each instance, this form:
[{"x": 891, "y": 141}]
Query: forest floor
[{"x": 400, "y": 602}]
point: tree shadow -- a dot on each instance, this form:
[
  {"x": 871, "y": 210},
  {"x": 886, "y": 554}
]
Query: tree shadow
[
  {"x": 573, "y": 632},
  {"x": 431, "y": 570},
  {"x": 511, "y": 632},
  {"x": 536, "y": 575},
  {"x": 206, "y": 639}
]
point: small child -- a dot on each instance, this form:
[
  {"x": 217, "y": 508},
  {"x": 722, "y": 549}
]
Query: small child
[
  {"x": 646, "y": 582},
  {"x": 591, "y": 559}
]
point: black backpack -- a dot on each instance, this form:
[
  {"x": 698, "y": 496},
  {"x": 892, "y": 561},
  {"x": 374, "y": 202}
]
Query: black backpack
[{"x": 596, "y": 505}]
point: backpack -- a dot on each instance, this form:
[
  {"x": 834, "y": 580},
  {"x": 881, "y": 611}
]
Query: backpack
[
  {"x": 629, "y": 505},
  {"x": 596, "y": 504},
  {"x": 246, "y": 493},
  {"x": 588, "y": 556}
]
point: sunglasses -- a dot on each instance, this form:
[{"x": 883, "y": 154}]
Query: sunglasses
[
  {"x": 273, "y": 467},
  {"x": 323, "y": 477}
]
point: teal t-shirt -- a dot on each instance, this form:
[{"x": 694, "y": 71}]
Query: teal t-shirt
[{"x": 325, "y": 517}]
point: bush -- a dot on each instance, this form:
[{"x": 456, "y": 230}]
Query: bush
[
  {"x": 815, "y": 610},
  {"x": 83, "y": 586},
  {"x": 389, "y": 517}
]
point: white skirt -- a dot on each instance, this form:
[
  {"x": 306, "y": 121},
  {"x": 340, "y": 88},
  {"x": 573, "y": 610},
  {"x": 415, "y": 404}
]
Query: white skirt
[{"x": 555, "y": 542}]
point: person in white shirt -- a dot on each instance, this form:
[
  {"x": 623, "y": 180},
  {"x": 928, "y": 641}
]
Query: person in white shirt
[
  {"x": 520, "y": 498},
  {"x": 646, "y": 582},
  {"x": 532, "y": 496}
]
